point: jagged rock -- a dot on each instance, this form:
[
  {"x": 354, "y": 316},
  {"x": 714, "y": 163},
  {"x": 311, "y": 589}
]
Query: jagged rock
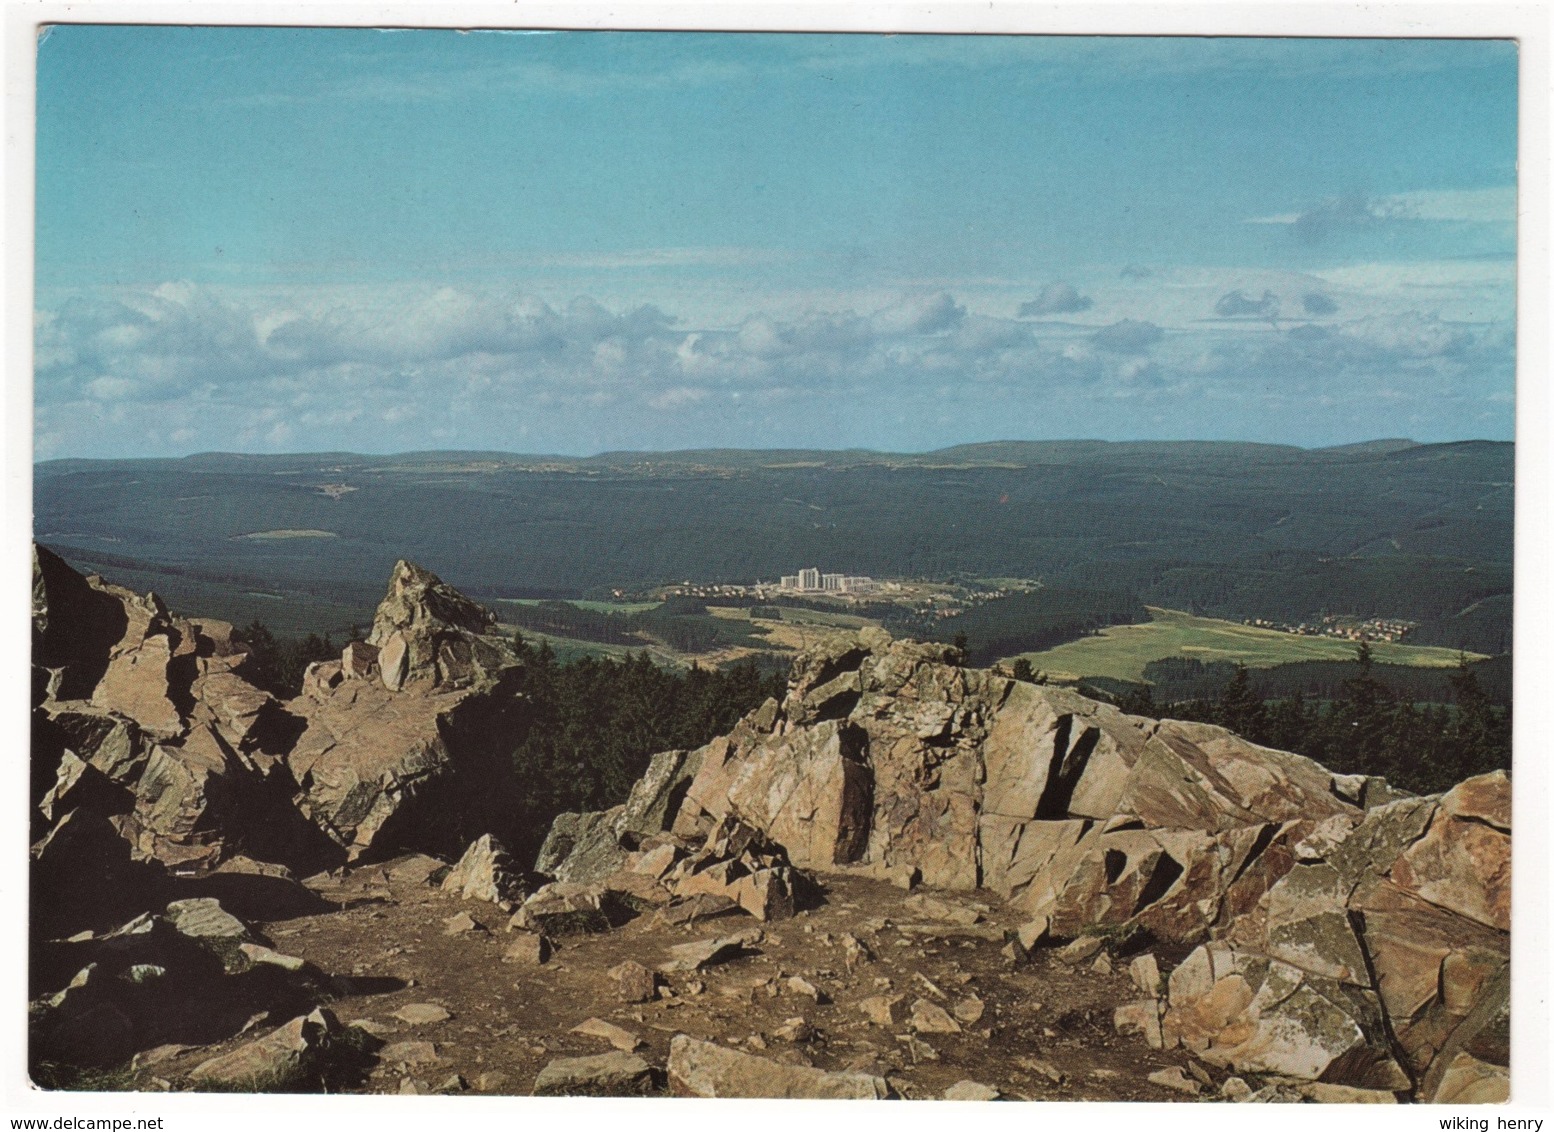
[
  {"x": 433, "y": 625},
  {"x": 969, "y": 1010},
  {"x": 701, "y": 1069},
  {"x": 583, "y": 847},
  {"x": 654, "y": 802},
  {"x": 1463, "y": 862},
  {"x": 1079, "y": 950},
  {"x": 411, "y": 761},
  {"x": 257, "y": 953},
  {"x": 708, "y": 952},
  {"x": 604, "y": 1075},
  {"x": 565, "y": 908},
  {"x": 936, "y": 909},
  {"x": 1249, "y": 1013},
  {"x": 806, "y": 790},
  {"x": 484, "y": 873},
  {"x": 359, "y": 661},
  {"x": 461, "y": 924},
  {"x": 289, "y": 1057}
]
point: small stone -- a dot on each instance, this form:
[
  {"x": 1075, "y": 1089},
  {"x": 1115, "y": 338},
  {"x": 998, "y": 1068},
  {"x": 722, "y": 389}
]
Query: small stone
[
  {"x": 855, "y": 953},
  {"x": 618, "y": 1037},
  {"x": 1200, "y": 1073},
  {"x": 490, "y": 1082},
  {"x": 919, "y": 1050},
  {"x": 1324, "y": 1093},
  {"x": 259, "y": 954},
  {"x": 410, "y": 1088},
  {"x": 1044, "y": 1068},
  {"x": 633, "y": 982},
  {"x": 1033, "y": 932},
  {"x": 703, "y": 1069},
  {"x": 454, "y": 1084},
  {"x": 935, "y": 909},
  {"x": 808, "y": 989},
  {"x": 1145, "y": 973},
  {"x": 970, "y": 1010},
  {"x": 1235, "y": 1089},
  {"x": 928, "y": 1018},
  {"x": 884, "y": 1010},
  {"x": 461, "y": 923},
  {"x": 421, "y": 1014},
  {"x": 928, "y": 985},
  {"x": 408, "y": 1053},
  {"x": 1102, "y": 964},
  {"x": 1141, "y": 1018},
  {"x": 971, "y": 1091},
  {"x": 1079, "y": 950},
  {"x": 615, "y": 1074},
  {"x": 1174, "y": 1078},
  {"x": 794, "y": 1030},
  {"x": 528, "y": 948}
]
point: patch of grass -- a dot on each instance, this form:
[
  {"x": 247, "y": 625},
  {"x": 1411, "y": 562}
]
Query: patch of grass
[{"x": 1121, "y": 651}]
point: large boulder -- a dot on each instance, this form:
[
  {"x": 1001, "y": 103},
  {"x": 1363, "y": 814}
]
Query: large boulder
[{"x": 416, "y": 759}]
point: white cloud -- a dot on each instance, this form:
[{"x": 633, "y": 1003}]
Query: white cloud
[{"x": 192, "y": 367}]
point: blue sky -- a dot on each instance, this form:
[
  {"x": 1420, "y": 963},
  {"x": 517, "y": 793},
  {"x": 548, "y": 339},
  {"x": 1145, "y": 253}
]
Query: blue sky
[{"x": 303, "y": 239}]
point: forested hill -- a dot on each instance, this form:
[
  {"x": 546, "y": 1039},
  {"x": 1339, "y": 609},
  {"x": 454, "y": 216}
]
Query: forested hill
[{"x": 1419, "y": 531}]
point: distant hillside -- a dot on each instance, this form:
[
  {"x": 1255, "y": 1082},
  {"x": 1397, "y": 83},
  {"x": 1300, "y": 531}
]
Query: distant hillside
[{"x": 1421, "y": 531}]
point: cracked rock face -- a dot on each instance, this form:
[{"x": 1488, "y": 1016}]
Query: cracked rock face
[{"x": 1347, "y": 934}]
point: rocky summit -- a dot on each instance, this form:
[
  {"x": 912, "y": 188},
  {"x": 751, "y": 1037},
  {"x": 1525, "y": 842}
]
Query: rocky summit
[{"x": 906, "y": 878}]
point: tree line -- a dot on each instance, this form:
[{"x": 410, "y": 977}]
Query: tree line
[{"x": 1368, "y": 728}]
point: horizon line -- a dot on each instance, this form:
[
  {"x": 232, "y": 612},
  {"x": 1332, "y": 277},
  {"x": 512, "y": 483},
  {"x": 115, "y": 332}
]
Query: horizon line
[{"x": 1402, "y": 442}]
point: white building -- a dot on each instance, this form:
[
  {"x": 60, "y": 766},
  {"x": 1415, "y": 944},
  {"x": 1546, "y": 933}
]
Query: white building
[{"x": 811, "y": 580}]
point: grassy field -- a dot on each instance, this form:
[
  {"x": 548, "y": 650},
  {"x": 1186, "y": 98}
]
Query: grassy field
[
  {"x": 1122, "y": 651},
  {"x": 596, "y": 606}
]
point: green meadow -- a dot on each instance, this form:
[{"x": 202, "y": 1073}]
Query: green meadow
[{"x": 1122, "y": 651}]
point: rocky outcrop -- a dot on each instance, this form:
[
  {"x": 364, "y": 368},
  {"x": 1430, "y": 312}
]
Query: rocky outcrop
[
  {"x": 156, "y": 753},
  {"x": 149, "y": 722},
  {"x": 407, "y": 747},
  {"x": 1346, "y": 934}
]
